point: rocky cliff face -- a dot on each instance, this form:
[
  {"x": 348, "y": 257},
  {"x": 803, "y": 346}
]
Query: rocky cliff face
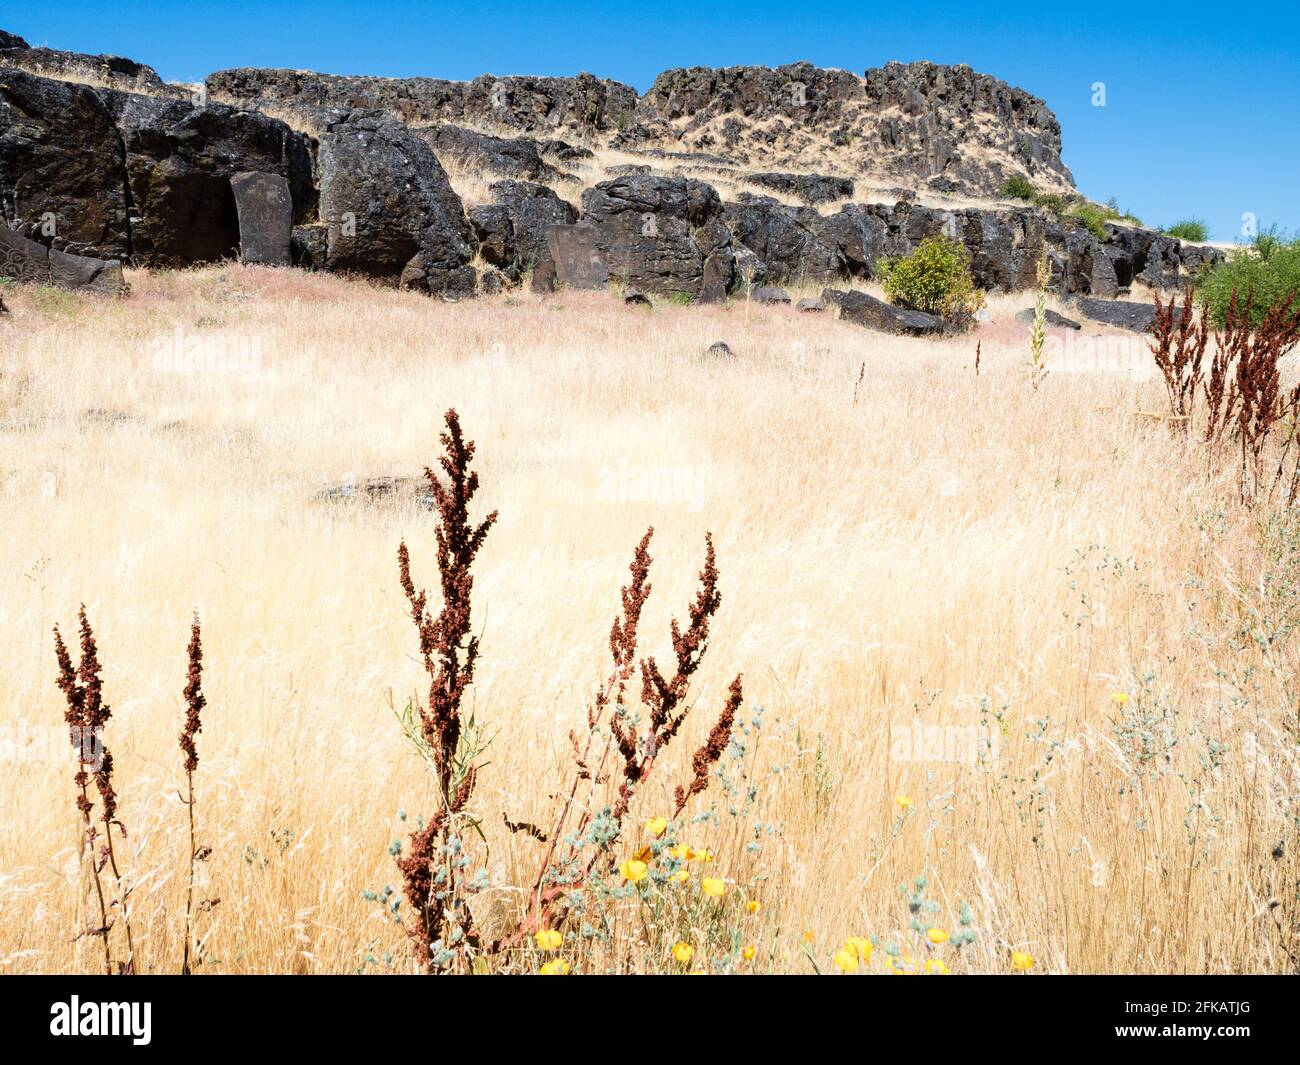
[
  {"x": 945, "y": 128},
  {"x": 100, "y": 159}
]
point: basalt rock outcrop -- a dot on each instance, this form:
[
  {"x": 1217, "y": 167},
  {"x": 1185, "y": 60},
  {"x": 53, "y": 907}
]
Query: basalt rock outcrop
[
  {"x": 583, "y": 104},
  {"x": 100, "y": 158}
]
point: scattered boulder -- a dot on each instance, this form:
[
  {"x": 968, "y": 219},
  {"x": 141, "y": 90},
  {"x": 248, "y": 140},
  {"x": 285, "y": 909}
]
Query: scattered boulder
[
  {"x": 770, "y": 294},
  {"x": 1122, "y": 314},
  {"x": 862, "y": 309},
  {"x": 719, "y": 349},
  {"x": 809, "y": 305},
  {"x": 376, "y": 490},
  {"x": 11, "y": 40},
  {"x": 636, "y": 298},
  {"x": 1053, "y": 320}
]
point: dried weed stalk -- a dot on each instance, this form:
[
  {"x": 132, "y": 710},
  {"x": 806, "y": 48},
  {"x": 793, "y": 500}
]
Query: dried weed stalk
[
  {"x": 431, "y": 863},
  {"x": 86, "y": 716}
]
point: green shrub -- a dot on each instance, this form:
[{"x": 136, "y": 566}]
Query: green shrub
[
  {"x": 1018, "y": 187},
  {"x": 1269, "y": 271},
  {"x": 1093, "y": 217},
  {"x": 1189, "y": 229},
  {"x": 935, "y": 278}
]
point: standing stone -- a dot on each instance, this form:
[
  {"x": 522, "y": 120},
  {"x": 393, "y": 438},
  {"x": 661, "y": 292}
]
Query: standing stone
[
  {"x": 265, "y": 209},
  {"x": 576, "y": 255}
]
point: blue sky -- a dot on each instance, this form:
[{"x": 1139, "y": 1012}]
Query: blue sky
[{"x": 1201, "y": 116}]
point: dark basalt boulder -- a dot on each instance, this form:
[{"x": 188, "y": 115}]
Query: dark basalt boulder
[
  {"x": 512, "y": 229},
  {"x": 770, "y": 294},
  {"x": 11, "y": 40},
  {"x": 1122, "y": 314},
  {"x": 793, "y": 243},
  {"x": 1088, "y": 269},
  {"x": 309, "y": 246},
  {"x": 515, "y": 157},
  {"x": 1053, "y": 320},
  {"x": 564, "y": 151},
  {"x": 390, "y": 209},
  {"x": 658, "y": 233},
  {"x": 859, "y": 233},
  {"x": 1005, "y": 248},
  {"x": 62, "y": 178},
  {"x": 864, "y": 310},
  {"x": 810, "y": 188}
]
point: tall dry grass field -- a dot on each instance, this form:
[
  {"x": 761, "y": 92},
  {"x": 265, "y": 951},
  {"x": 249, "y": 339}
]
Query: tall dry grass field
[{"x": 1018, "y": 643}]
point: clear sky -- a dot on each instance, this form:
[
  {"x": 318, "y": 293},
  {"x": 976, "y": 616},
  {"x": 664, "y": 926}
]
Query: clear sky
[{"x": 1202, "y": 102}]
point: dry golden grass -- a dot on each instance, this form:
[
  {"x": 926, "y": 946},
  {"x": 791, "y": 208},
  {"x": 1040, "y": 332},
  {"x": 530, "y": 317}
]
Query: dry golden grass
[{"x": 948, "y": 539}]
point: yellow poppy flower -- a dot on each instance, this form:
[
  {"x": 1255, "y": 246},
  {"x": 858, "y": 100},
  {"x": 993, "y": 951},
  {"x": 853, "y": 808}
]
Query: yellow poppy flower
[
  {"x": 681, "y": 852},
  {"x": 555, "y": 967},
  {"x": 683, "y": 952},
  {"x": 808, "y": 935},
  {"x": 751, "y": 906},
  {"x": 846, "y": 961},
  {"x": 702, "y": 856},
  {"x": 713, "y": 887},
  {"x": 936, "y": 966},
  {"x": 1119, "y": 698},
  {"x": 657, "y": 826},
  {"x": 747, "y": 952},
  {"x": 549, "y": 939},
  {"x": 903, "y": 800},
  {"x": 859, "y": 947},
  {"x": 633, "y": 870},
  {"x": 645, "y": 854},
  {"x": 681, "y": 876},
  {"x": 936, "y": 935},
  {"x": 1022, "y": 961}
]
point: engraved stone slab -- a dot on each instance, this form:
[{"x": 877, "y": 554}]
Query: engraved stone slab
[
  {"x": 265, "y": 209},
  {"x": 80, "y": 271},
  {"x": 22, "y": 259},
  {"x": 578, "y": 263},
  {"x": 25, "y": 260}
]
